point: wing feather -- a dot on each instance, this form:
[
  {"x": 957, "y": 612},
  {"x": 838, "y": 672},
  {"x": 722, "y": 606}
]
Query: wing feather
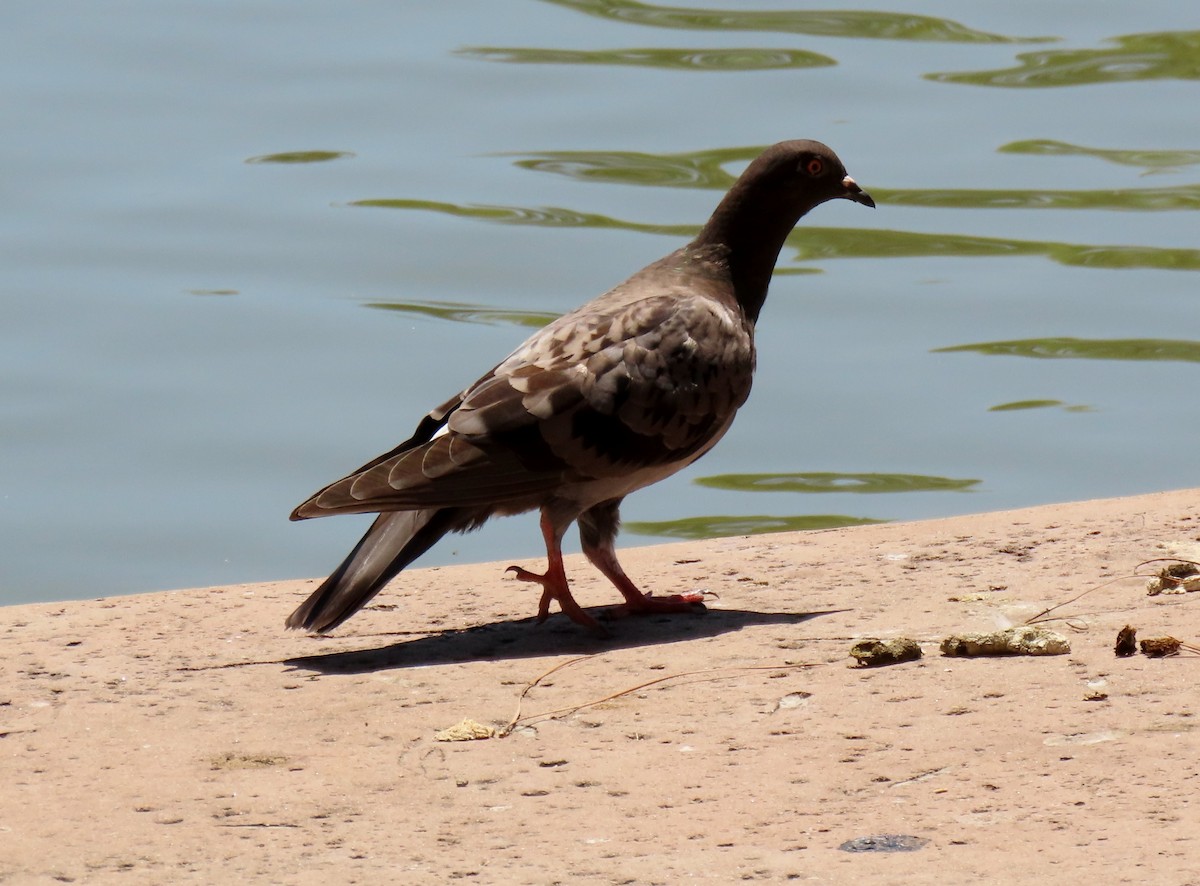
[{"x": 621, "y": 384}]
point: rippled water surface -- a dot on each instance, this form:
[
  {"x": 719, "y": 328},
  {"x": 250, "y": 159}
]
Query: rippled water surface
[{"x": 247, "y": 245}]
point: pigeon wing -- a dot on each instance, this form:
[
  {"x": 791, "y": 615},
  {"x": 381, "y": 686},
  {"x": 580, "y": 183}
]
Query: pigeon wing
[{"x": 611, "y": 388}]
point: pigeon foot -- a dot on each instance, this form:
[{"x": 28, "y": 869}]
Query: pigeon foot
[
  {"x": 554, "y": 587},
  {"x": 647, "y": 604}
]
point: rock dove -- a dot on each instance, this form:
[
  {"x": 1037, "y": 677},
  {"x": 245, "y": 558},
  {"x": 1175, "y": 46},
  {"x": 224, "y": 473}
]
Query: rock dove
[{"x": 618, "y": 394}]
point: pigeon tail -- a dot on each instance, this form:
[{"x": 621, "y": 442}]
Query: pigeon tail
[{"x": 395, "y": 539}]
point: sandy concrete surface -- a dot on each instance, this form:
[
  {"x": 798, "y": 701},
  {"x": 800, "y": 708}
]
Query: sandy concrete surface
[{"x": 187, "y": 737}]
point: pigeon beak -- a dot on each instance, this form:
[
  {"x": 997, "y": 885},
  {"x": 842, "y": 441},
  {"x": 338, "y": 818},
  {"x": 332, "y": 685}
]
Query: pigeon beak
[{"x": 855, "y": 193}]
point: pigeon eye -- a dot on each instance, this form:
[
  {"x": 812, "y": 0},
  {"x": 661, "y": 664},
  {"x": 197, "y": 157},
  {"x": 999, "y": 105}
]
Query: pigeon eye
[{"x": 814, "y": 167}]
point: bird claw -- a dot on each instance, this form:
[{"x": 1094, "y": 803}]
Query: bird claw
[
  {"x": 636, "y": 602},
  {"x": 555, "y": 588},
  {"x": 526, "y": 575},
  {"x": 648, "y": 604}
]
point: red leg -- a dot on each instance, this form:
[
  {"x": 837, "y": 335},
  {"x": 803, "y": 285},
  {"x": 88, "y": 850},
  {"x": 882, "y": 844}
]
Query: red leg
[
  {"x": 636, "y": 602},
  {"x": 598, "y": 531},
  {"x": 554, "y": 581}
]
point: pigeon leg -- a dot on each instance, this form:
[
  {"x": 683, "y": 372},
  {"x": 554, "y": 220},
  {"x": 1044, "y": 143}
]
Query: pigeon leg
[
  {"x": 554, "y": 580},
  {"x": 598, "y": 532}
]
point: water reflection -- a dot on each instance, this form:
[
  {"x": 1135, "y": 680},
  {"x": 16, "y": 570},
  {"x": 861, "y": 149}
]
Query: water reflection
[
  {"x": 541, "y": 216},
  {"x": 300, "y": 157},
  {"x": 1136, "y": 199},
  {"x": 663, "y": 58},
  {"x": 713, "y": 527},
  {"x": 1151, "y": 161},
  {"x": 816, "y": 243},
  {"x": 1173, "y": 55},
  {"x": 821, "y": 243},
  {"x": 824, "y": 481},
  {"x": 1018, "y": 405},
  {"x": 1087, "y": 349},
  {"x": 692, "y": 169},
  {"x": 823, "y": 23},
  {"x": 462, "y": 312},
  {"x": 705, "y": 169}
]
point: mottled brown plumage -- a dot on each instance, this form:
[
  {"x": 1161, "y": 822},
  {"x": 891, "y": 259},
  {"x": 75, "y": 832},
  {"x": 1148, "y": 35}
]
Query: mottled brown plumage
[{"x": 619, "y": 393}]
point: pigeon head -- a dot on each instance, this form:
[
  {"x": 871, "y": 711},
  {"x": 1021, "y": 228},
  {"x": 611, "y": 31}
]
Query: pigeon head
[
  {"x": 800, "y": 174},
  {"x": 754, "y": 219}
]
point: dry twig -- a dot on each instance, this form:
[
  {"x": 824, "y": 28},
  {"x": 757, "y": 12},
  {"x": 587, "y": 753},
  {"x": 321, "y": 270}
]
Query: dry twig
[{"x": 706, "y": 675}]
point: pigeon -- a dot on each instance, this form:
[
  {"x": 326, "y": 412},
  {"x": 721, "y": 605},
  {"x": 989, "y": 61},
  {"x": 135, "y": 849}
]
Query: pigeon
[{"x": 621, "y": 392}]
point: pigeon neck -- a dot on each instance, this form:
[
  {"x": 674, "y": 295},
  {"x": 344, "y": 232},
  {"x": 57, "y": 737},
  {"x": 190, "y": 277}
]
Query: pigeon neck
[{"x": 750, "y": 227}]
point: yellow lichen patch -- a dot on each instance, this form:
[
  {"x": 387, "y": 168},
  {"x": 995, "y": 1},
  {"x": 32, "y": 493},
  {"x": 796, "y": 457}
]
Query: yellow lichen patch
[
  {"x": 467, "y": 730},
  {"x": 1024, "y": 640},
  {"x": 873, "y": 652}
]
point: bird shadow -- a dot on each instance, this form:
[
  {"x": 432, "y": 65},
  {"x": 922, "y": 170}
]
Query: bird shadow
[{"x": 523, "y": 638}]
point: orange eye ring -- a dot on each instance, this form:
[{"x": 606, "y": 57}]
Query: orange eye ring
[{"x": 814, "y": 166}]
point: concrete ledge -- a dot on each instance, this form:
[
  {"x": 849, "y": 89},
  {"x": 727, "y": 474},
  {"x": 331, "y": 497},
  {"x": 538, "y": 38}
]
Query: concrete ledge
[{"x": 186, "y": 737}]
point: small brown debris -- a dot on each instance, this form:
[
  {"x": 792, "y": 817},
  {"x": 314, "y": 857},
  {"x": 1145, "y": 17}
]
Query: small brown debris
[
  {"x": 231, "y": 760},
  {"x": 1160, "y": 647},
  {"x": 1023, "y": 640},
  {"x": 1095, "y": 695},
  {"x": 1177, "y": 578},
  {"x": 873, "y": 652},
  {"x": 1126, "y": 644}
]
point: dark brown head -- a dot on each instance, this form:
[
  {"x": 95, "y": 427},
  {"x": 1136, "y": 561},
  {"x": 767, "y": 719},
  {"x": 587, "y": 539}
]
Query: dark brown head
[
  {"x": 799, "y": 175},
  {"x": 821, "y": 166},
  {"x": 782, "y": 184}
]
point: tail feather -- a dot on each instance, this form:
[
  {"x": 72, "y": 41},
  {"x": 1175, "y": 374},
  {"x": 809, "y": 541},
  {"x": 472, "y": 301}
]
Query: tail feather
[{"x": 395, "y": 539}]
